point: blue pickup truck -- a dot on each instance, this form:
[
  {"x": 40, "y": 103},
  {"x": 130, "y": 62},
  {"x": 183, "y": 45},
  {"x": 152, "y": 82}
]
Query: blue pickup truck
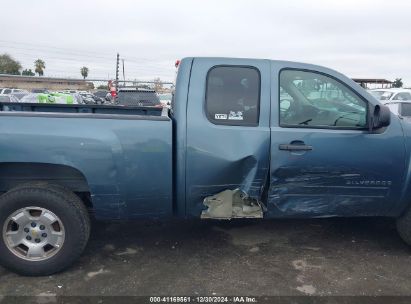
[{"x": 245, "y": 138}]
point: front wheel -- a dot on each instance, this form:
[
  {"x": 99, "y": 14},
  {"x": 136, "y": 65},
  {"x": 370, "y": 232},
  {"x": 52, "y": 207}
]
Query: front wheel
[
  {"x": 404, "y": 226},
  {"x": 45, "y": 228}
]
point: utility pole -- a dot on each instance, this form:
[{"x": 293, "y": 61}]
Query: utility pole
[
  {"x": 124, "y": 75},
  {"x": 117, "y": 70}
]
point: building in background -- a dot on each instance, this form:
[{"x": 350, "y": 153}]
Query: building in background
[
  {"x": 373, "y": 83},
  {"x": 31, "y": 82}
]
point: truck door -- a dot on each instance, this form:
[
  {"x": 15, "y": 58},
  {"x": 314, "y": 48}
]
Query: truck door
[
  {"x": 325, "y": 161},
  {"x": 228, "y": 135}
]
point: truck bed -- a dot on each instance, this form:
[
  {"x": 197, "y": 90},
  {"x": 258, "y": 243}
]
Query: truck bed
[{"x": 124, "y": 153}]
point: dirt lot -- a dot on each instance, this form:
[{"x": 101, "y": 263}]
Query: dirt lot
[{"x": 287, "y": 257}]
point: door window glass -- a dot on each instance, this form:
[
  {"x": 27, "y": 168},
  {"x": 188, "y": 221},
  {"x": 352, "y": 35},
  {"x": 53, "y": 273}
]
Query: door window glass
[{"x": 309, "y": 99}]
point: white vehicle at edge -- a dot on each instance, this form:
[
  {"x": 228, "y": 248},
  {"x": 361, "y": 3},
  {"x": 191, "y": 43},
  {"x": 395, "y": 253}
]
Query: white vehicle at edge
[
  {"x": 391, "y": 95},
  {"x": 401, "y": 108}
]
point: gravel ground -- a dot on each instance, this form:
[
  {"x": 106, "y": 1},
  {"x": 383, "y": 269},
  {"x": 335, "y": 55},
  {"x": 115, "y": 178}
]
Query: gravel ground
[{"x": 271, "y": 257}]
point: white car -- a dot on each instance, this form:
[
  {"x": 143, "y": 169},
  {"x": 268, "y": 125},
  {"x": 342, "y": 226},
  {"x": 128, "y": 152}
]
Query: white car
[
  {"x": 389, "y": 95},
  {"x": 11, "y": 91},
  {"x": 402, "y": 108},
  {"x": 8, "y": 98}
]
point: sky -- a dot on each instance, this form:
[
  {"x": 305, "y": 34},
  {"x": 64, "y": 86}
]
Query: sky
[{"x": 360, "y": 38}]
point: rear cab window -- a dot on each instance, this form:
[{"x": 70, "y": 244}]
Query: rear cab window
[{"x": 233, "y": 95}]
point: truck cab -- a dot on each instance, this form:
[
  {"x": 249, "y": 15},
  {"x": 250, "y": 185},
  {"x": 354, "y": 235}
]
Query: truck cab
[{"x": 297, "y": 138}]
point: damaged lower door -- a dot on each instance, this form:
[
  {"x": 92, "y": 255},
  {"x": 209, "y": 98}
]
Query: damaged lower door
[
  {"x": 228, "y": 138},
  {"x": 230, "y": 204},
  {"x": 346, "y": 173}
]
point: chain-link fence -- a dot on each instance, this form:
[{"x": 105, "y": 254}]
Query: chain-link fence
[{"x": 33, "y": 89}]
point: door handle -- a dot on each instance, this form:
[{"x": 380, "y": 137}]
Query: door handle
[{"x": 295, "y": 146}]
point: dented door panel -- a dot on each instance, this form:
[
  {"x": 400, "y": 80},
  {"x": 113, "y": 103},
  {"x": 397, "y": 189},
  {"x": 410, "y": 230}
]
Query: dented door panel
[
  {"x": 222, "y": 157},
  {"x": 345, "y": 173}
]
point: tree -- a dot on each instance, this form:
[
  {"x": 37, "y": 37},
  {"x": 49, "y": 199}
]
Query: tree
[
  {"x": 84, "y": 72},
  {"x": 27, "y": 72},
  {"x": 40, "y": 65},
  {"x": 158, "y": 85},
  {"x": 397, "y": 83},
  {"x": 144, "y": 86},
  {"x": 8, "y": 65}
]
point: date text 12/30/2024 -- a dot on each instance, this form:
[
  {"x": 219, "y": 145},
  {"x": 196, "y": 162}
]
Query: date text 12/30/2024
[{"x": 199, "y": 299}]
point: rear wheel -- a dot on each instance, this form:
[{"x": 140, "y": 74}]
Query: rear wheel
[{"x": 45, "y": 228}]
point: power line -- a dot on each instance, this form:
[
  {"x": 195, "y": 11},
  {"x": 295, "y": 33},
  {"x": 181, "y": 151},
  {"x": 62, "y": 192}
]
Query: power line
[
  {"x": 152, "y": 67},
  {"x": 102, "y": 64},
  {"x": 140, "y": 66},
  {"x": 76, "y": 52}
]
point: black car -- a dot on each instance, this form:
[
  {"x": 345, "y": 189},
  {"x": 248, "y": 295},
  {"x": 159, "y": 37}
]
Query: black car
[
  {"x": 44, "y": 91},
  {"x": 101, "y": 93},
  {"x": 137, "y": 97}
]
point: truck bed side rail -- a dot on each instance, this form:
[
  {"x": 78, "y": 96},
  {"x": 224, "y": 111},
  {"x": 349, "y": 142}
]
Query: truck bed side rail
[{"x": 77, "y": 110}]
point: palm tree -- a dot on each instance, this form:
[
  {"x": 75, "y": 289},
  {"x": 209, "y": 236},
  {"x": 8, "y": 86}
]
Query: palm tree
[
  {"x": 40, "y": 65},
  {"x": 84, "y": 72},
  {"x": 397, "y": 83}
]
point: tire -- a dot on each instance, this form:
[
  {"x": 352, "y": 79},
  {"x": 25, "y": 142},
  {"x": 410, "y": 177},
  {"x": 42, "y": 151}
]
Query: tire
[
  {"x": 404, "y": 226},
  {"x": 52, "y": 209}
]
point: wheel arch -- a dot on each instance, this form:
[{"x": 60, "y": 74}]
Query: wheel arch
[{"x": 14, "y": 174}]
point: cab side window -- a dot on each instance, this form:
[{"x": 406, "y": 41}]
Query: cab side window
[
  {"x": 309, "y": 99},
  {"x": 233, "y": 95}
]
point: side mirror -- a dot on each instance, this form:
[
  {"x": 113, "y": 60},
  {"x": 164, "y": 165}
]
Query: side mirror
[{"x": 381, "y": 117}]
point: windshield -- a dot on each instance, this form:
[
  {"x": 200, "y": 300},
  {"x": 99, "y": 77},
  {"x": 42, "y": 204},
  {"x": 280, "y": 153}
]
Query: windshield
[{"x": 376, "y": 94}]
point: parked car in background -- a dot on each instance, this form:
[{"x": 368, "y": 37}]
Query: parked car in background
[
  {"x": 8, "y": 98},
  {"x": 400, "y": 108},
  {"x": 11, "y": 91},
  {"x": 104, "y": 94},
  {"x": 19, "y": 95},
  {"x": 52, "y": 97},
  {"x": 5, "y": 91},
  {"x": 391, "y": 94},
  {"x": 89, "y": 98},
  {"x": 76, "y": 96},
  {"x": 137, "y": 97},
  {"x": 40, "y": 91}
]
